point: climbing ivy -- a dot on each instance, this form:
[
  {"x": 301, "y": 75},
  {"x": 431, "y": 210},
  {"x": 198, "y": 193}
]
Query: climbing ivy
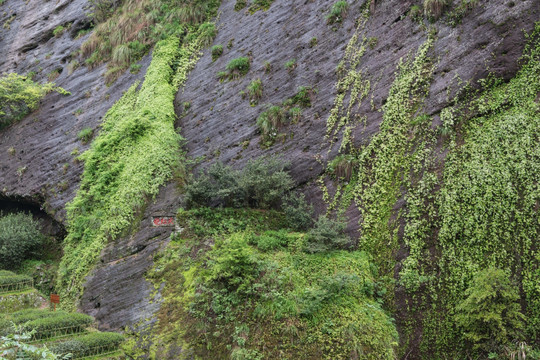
[
  {"x": 134, "y": 154},
  {"x": 19, "y": 95},
  {"x": 481, "y": 212}
]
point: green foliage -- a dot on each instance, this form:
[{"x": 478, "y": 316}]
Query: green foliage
[
  {"x": 337, "y": 12},
  {"x": 490, "y": 314},
  {"x": 88, "y": 344},
  {"x": 13, "y": 279},
  {"x": 85, "y": 135},
  {"x": 260, "y": 184},
  {"x": 258, "y": 296},
  {"x": 290, "y": 65},
  {"x": 415, "y": 12},
  {"x": 132, "y": 157},
  {"x": 217, "y": 51},
  {"x": 267, "y": 67},
  {"x": 273, "y": 240},
  {"x": 240, "y": 4},
  {"x": 14, "y": 347},
  {"x": 434, "y": 8},
  {"x": 235, "y": 69},
  {"x": 255, "y": 91},
  {"x": 270, "y": 121},
  {"x": 19, "y": 95},
  {"x": 19, "y": 300},
  {"x": 124, "y": 33},
  {"x": 47, "y": 327},
  {"x": 102, "y": 9},
  {"x": 59, "y": 30},
  {"x": 458, "y": 12},
  {"x": 342, "y": 166},
  {"x": 233, "y": 264},
  {"x": 20, "y": 238},
  {"x": 327, "y": 235},
  {"x": 260, "y": 5},
  {"x": 298, "y": 212},
  {"x": 207, "y": 33}
]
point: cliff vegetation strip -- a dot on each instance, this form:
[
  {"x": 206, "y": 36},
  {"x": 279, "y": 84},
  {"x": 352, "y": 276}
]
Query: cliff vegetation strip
[{"x": 134, "y": 155}]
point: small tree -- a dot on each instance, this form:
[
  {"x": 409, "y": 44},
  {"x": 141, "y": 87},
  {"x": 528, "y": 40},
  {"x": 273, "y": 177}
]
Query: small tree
[
  {"x": 490, "y": 315},
  {"x": 327, "y": 235}
]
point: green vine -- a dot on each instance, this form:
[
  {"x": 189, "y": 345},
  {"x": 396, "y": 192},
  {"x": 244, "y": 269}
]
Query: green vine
[{"x": 134, "y": 154}]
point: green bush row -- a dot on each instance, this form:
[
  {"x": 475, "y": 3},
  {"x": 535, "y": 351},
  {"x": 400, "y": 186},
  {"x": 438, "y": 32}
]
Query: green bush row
[
  {"x": 58, "y": 325},
  {"x": 23, "y": 316},
  {"x": 7, "y": 280},
  {"x": 6, "y": 273},
  {"x": 88, "y": 345}
]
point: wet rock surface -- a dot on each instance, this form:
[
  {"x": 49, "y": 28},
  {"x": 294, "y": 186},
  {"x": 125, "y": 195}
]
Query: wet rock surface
[{"x": 220, "y": 124}]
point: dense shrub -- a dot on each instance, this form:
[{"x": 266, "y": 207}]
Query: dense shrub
[
  {"x": 19, "y": 238},
  {"x": 23, "y": 316},
  {"x": 89, "y": 344},
  {"x": 56, "y": 325},
  {"x": 326, "y": 235},
  {"x": 234, "y": 264},
  {"x": 261, "y": 184},
  {"x": 490, "y": 314},
  {"x": 19, "y": 95},
  {"x": 298, "y": 213},
  {"x": 265, "y": 182},
  {"x": 7, "y": 280},
  {"x": 272, "y": 240}
]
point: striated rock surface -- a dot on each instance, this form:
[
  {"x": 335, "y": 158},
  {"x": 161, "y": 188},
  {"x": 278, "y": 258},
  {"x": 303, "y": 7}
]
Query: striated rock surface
[{"x": 219, "y": 123}]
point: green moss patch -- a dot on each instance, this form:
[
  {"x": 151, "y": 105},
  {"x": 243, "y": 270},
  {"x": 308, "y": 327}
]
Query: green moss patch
[{"x": 255, "y": 294}]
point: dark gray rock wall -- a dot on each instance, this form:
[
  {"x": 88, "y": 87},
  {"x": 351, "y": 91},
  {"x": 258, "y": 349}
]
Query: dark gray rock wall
[
  {"x": 220, "y": 124},
  {"x": 43, "y": 167}
]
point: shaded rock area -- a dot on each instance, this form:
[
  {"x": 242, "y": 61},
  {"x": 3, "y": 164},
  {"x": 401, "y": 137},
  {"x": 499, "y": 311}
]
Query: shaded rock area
[
  {"x": 220, "y": 124},
  {"x": 38, "y": 154},
  {"x": 116, "y": 293}
]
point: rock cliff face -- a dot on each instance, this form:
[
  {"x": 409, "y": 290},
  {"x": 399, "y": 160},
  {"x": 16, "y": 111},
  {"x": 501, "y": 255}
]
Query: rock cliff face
[{"x": 219, "y": 123}]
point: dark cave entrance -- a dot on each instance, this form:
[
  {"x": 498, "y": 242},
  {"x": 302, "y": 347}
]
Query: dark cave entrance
[
  {"x": 42, "y": 264},
  {"x": 50, "y": 227}
]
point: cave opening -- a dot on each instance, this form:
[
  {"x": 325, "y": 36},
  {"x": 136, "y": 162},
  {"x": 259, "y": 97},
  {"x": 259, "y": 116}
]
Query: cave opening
[{"x": 42, "y": 262}]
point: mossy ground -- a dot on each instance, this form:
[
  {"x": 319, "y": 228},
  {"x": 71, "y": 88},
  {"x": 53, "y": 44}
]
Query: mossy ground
[{"x": 237, "y": 284}]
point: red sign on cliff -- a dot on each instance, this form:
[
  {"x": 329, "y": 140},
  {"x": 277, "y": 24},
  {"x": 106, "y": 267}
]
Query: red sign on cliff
[{"x": 163, "y": 221}]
